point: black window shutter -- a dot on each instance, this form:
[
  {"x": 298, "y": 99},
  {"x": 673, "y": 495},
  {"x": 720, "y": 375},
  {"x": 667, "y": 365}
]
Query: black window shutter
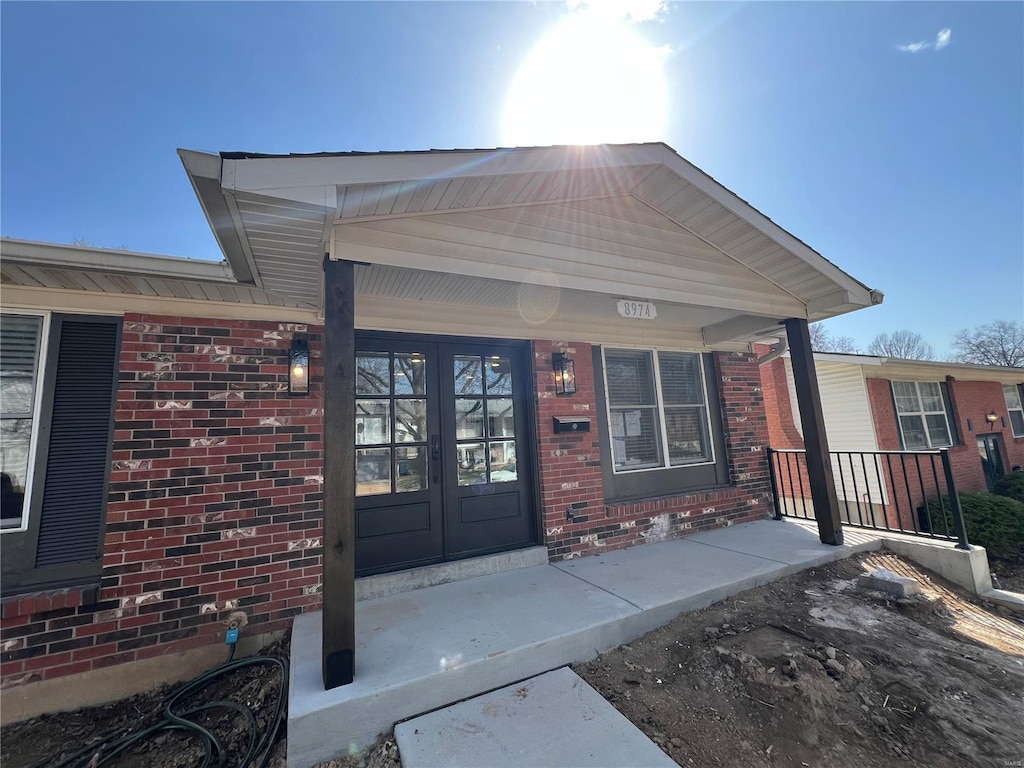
[
  {"x": 954, "y": 431},
  {"x": 74, "y": 496}
]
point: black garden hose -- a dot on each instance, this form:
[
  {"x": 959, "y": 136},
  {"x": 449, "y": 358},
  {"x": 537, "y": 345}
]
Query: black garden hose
[{"x": 257, "y": 754}]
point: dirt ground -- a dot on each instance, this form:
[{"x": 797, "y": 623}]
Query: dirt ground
[
  {"x": 813, "y": 671},
  {"x": 807, "y": 671}
]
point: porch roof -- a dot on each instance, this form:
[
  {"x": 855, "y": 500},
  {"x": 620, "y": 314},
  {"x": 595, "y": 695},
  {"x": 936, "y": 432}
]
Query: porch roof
[{"x": 473, "y": 227}]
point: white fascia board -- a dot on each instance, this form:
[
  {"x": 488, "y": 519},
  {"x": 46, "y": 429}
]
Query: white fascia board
[
  {"x": 113, "y": 261},
  {"x": 860, "y": 294},
  {"x": 259, "y": 173}
]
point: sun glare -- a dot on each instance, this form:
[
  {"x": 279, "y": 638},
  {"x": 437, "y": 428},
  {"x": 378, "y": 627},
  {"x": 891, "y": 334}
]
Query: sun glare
[{"x": 590, "y": 80}]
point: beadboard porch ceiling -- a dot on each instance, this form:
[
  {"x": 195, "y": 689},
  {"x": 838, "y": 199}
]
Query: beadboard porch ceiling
[{"x": 579, "y": 227}]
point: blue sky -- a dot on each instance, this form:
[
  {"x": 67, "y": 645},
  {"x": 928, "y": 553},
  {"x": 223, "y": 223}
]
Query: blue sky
[{"x": 893, "y": 148}]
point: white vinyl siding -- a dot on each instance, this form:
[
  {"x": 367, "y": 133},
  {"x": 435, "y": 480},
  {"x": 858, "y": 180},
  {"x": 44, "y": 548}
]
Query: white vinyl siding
[
  {"x": 921, "y": 415},
  {"x": 1015, "y": 407}
]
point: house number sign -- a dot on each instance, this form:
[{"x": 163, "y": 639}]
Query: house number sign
[{"x": 638, "y": 310}]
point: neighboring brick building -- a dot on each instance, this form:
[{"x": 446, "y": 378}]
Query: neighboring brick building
[
  {"x": 876, "y": 404},
  {"x": 552, "y": 347}
]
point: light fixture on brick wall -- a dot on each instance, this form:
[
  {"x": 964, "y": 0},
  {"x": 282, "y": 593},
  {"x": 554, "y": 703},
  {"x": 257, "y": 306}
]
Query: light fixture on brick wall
[
  {"x": 298, "y": 368},
  {"x": 991, "y": 417},
  {"x": 565, "y": 374}
]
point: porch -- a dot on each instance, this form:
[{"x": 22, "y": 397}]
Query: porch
[{"x": 420, "y": 650}]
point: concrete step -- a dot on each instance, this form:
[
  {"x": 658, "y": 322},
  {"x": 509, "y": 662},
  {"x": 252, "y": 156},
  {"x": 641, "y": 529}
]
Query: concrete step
[{"x": 550, "y": 721}]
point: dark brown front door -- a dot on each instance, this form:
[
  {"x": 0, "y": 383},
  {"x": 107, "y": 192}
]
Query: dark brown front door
[{"x": 440, "y": 428}]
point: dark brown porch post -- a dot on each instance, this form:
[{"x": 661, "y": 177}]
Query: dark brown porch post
[
  {"x": 819, "y": 467},
  {"x": 339, "y": 636}
]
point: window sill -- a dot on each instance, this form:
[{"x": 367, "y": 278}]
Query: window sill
[{"x": 49, "y": 600}]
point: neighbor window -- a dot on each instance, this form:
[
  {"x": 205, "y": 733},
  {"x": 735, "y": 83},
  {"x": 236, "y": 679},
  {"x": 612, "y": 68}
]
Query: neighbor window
[
  {"x": 20, "y": 338},
  {"x": 922, "y": 415},
  {"x": 657, "y": 409},
  {"x": 1015, "y": 407}
]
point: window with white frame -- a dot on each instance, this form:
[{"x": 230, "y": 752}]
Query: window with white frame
[
  {"x": 1015, "y": 407},
  {"x": 20, "y": 340},
  {"x": 657, "y": 409},
  {"x": 921, "y": 412}
]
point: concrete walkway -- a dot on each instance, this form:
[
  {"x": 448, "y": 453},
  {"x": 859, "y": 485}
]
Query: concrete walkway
[{"x": 426, "y": 649}]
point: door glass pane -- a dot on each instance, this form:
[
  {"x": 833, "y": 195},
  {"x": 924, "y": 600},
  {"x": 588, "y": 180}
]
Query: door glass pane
[
  {"x": 905, "y": 394},
  {"x": 931, "y": 396},
  {"x": 373, "y": 422},
  {"x": 680, "y": 379},
  {"x": 913, "y": 432},
  {"x": 938, "y": 431},
  {"x": 373, "y": 374},
  {"x": 410, "y": 421},
  {"x": 469, "y": 418},
  {"x": 472, "y": 458},
  {"x": 636, "y": 443},
  {"x": 499, "y": 375},
  {"x": 687, "y": 435},
  {"x": 503, "y": 462},
  {"x": 410, "y": 374},
  {"x": 410, "y": 469},
  {"x": 373, "y": 471},
  {"x": 500, "y": 421},
  {"x": 468, "y": 376}
]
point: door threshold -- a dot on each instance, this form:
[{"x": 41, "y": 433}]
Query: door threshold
[{"x": 381, "y": 585}]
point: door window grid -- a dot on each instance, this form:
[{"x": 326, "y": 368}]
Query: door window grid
[
  {"x": 921, "y": 413},
  {"x": 484, "y": 420},
  {"x": 1015, "y": 407},
  {"x": 657, "y": 407},
  {"x": 22, "y": 338},
  {"x": 391, "y": 422}
]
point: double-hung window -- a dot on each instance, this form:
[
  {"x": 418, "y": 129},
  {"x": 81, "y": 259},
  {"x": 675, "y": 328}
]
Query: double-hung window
[
  {"x": 657, "y": 409},
  {"x": 21, "y": 338},
  {"x": 922, "y": 415},
  {"x": 1015, "y": 407}
]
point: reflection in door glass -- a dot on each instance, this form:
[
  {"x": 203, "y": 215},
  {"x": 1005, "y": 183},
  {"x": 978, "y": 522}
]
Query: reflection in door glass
[
  {"x": 500, "y": 422},
  {"x": 373, "y": 422},
  {"x": 410, "y": 469},
  {"x": 499, "y": 375},
  {"x": 468, "y": 376},
  {"x": 472, "y": 458},
  {"x": 503, "y": 462},
  {"x": 410, "y": 374},
  {"x": 410, "y": 421},
  {"x": 373, "y": 471},
  {"x": 373, "y": 375},
  {"x": 469, "y": 418}
]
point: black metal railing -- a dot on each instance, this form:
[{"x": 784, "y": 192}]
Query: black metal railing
[{"x": 910, "y": 492}]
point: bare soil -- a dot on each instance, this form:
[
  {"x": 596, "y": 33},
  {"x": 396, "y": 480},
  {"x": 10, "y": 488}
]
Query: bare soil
[
  {"x": 807, "y": 671},
  {"x": 814, "y": 671}
]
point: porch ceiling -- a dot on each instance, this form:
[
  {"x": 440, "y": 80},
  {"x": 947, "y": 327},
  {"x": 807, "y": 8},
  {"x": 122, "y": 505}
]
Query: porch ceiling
[{"x": 631, "y": 221}]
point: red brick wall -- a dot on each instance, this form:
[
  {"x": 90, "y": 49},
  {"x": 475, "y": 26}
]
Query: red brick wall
[
  {"x": 571, "y": 470},
  {"x": 782, "y": 431},
  {"x": 214, "y": 502}
]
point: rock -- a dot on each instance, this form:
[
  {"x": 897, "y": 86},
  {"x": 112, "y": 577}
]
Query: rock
[
  {"x": 677, "y": 742},
  {"x": 880, "y": 721},
  {"x": 834, "y": 666},
  {"x": 830, "y": 652},
  {"x": 711, "y": 631},
  {"x": 891, "y": 583}
]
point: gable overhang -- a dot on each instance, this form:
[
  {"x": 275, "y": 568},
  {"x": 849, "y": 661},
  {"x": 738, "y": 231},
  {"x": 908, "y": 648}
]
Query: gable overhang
[{"x": 572, "y": 229}]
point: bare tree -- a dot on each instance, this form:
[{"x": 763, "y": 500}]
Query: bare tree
[
  {"x": 823, "y": 340},
  {"x": 905, "y": 345},
  {"x": 998, "y": 343}
]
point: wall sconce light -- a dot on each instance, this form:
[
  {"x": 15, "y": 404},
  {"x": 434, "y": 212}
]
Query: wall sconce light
[
  {"x": 991, "y": 417},
  {"x": 565, "y": 374},
  {"x": 298, "y": 368}
]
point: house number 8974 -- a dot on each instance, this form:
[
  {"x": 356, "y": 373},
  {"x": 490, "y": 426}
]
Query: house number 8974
[{"x": 639, "y": 310}]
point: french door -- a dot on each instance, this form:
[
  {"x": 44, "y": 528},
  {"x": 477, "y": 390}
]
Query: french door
[{"x": 441, "y": 426}]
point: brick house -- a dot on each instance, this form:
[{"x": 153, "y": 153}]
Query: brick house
[
  {"x": 433, "y": 356},
  {"x": 876, "y": 404}
]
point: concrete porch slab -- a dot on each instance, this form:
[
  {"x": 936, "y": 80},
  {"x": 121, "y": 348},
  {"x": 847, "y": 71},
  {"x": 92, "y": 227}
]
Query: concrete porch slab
[{"x": 550, "y": 721}]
